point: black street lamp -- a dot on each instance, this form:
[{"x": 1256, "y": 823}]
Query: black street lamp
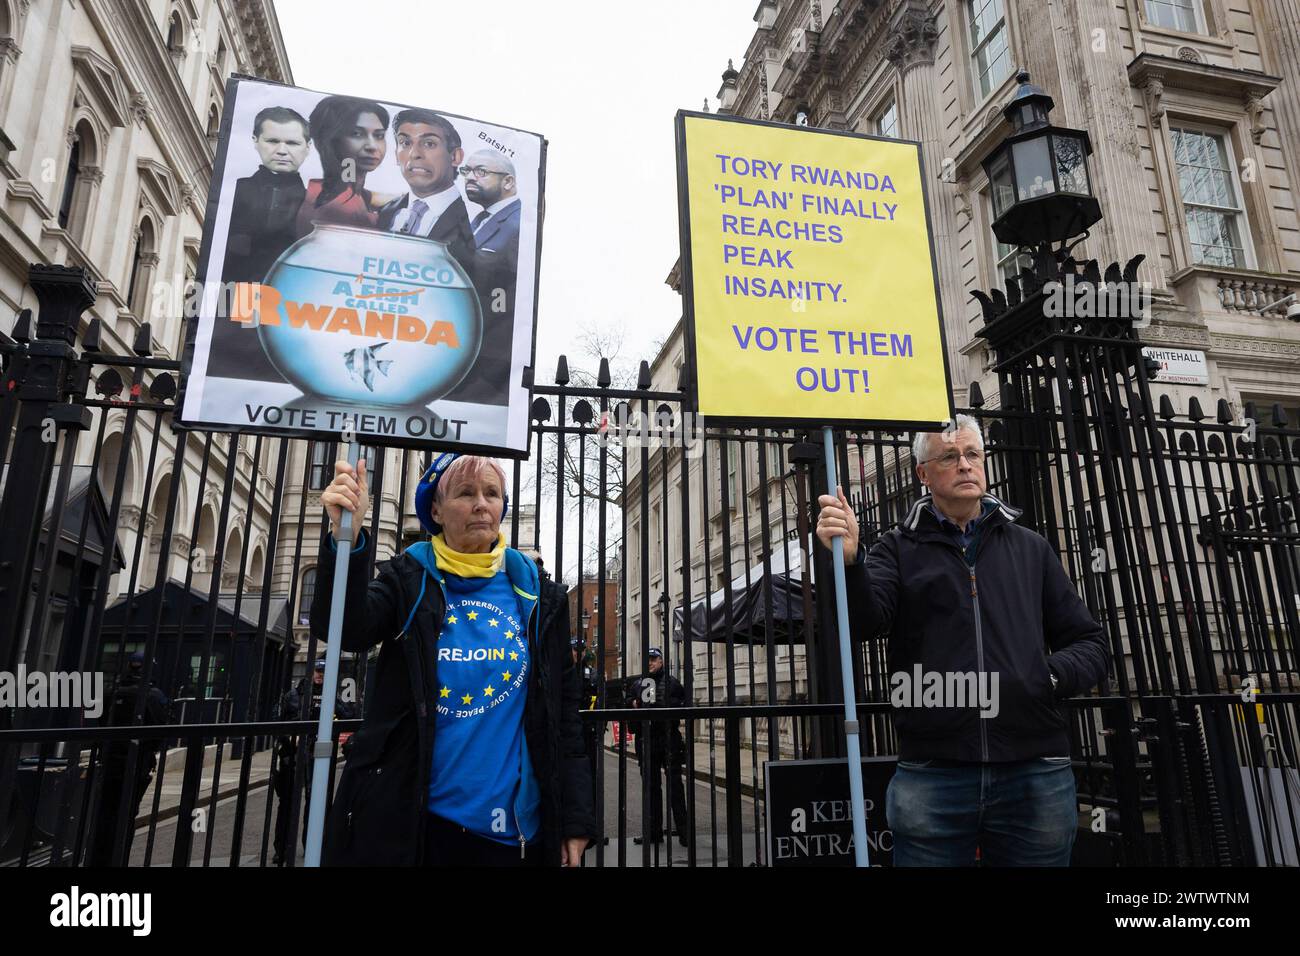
[{"x": 1038, "y": 176}]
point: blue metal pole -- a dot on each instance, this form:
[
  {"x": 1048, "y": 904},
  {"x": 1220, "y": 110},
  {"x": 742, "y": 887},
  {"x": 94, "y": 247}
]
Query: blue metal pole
[
  {"x": 323, "y": 751},
  {"x": 846, "y": 671}
]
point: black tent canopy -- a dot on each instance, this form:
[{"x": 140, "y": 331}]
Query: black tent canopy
[{"x": 746, "y": 615}]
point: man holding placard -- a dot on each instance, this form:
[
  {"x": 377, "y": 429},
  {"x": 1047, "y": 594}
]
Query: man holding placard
[{"x": 986, "y": 634}]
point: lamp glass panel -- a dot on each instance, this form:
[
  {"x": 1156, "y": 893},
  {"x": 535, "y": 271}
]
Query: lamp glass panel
[
  {"x": 1071, "y": 164},
  {"x": 1033, "y": 164},
  {"x": 1003, "y": 191}
]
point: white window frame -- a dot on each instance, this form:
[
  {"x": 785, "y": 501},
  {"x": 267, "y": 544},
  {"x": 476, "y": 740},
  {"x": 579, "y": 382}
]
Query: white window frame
[
  {"x": 304, "y": 600},
  {"x": 1243, "y": 218},
  {"x": 1000, "y": 258},
  {"x": 968, "y": 16},
  {"x": 1198, "y": 13},
  {"x": 775, "y": 461},
  {"x": 326, "y": 471},
  {"x": 732, "y": 476},
  {"x": 878, "y": 121}
]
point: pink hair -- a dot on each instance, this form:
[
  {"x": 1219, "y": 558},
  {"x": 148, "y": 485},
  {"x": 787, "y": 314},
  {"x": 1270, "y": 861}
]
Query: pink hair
[{"x": 466, "y": 468}]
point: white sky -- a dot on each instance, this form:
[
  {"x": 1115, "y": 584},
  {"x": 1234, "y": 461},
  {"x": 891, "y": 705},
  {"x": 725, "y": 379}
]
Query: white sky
[{"x": 601, "y": 79}]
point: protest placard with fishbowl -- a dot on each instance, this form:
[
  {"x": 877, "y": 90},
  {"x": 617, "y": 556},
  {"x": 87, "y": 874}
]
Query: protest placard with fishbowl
[{"x": 365, "y": 264}]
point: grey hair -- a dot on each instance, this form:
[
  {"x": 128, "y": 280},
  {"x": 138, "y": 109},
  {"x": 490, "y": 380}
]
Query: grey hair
[
  {"x": 921, "y": 443},
  {"x": 501, "y": 164}
]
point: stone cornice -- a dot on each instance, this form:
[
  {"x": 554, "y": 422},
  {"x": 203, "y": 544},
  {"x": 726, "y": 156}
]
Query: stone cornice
[
  {"x": 128, "y": 30},
  {"x": 159, "y": 183},
  {"x": 259, "y": 29},
  {"x": 26, "y": 190},
  {"x": 1253, "y": 345},
  {"x": 1173, "y": 73},
  {"x": 1166, "y": 333},
  {"x": 102, "y": 80}
]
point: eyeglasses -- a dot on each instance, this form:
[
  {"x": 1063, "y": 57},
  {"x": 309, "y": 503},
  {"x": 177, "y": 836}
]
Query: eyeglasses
[
  {"x": 478, "y": 172},
  {"x": 949, "y": 459}
]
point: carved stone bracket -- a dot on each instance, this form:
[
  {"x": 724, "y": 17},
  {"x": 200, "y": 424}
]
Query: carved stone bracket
[
  {"x": 1255, "y": 110},
  {"x": 961, "y": 192},
  {"x": 140, "y": 108},
  {"x": 1153, "y": 92}
]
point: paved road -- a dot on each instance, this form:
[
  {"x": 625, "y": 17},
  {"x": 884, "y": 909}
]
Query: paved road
[{"x": 710, "y": 828}]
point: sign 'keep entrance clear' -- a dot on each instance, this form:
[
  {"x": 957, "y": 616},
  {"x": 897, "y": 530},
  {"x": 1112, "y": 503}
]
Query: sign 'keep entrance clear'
[
  {"x": 809, "y": 275},
  {"x": 809, "y": 821}
]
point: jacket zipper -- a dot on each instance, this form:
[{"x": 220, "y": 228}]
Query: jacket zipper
[
  {"x": 979, "y": 636},
  {"x": 979, "y": 660},
  {"x": 532, "y": 650}
]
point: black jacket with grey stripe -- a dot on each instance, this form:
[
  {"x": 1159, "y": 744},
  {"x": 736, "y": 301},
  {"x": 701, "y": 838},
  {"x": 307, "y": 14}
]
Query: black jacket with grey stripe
[{"x": 1015, "y": 615}]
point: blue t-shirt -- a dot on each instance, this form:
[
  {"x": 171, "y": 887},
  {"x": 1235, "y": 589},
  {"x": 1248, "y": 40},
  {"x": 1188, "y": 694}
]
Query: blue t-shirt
[{"x": 480, "y": 756}]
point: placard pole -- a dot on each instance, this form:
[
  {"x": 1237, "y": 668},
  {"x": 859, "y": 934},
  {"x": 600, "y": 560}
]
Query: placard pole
[
  {"x": 323, "y": 750},
  {"x": 846, "y": 671}
]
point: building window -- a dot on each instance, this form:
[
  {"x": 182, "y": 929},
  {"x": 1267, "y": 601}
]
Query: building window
[
  {"x": 175, "y": 35},
  {"x": 214, "y": 125},
  {"x": 191, "y": 272},
  {"x": 886, "y": 122},
  {"x": 308, "y": 593},
  {"x": 1211, "y": 202},
  {"x": 142, "y": 263},
  {"x": 655, "y": 542},
  {"x": 1182, "y": 15},
  {"x": 990, "y": 56},
  {"x": 1008, "y": 259},
  {"x": 733, "y": 462},
  {"x": 70, "y": 182},
  {"x": 318, "y": 477},
  {"x": 775, "y": 462}
]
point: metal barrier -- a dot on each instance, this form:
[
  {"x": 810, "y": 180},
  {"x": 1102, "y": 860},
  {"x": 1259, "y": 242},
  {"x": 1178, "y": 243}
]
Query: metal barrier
[{"x": 196, "y": 548}]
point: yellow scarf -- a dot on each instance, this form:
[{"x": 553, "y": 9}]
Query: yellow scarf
[{"x": 469, "y": 565}]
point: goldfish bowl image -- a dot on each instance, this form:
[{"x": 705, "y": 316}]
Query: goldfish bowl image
[{"x": 369, "y": 318}]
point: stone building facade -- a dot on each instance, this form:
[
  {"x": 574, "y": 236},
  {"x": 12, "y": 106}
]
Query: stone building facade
[
  {"x": 1194, "y": 111},
  {"x": 109, "y": 113}
]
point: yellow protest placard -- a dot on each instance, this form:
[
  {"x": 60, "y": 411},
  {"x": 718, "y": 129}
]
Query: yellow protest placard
[{"x": 808, "y": 275}]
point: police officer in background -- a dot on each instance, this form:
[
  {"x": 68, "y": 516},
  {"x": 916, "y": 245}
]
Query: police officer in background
[
  {"x": 291, "y": 707},
  {"x": 660, "y": 747},
  {"x": 157, "y": 710}
]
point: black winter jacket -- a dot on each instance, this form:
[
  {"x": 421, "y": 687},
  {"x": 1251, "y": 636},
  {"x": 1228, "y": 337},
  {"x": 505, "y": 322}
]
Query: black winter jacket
[
  {"x": 1003, "y": 617},
  {"x": 378, "y": 814}
]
